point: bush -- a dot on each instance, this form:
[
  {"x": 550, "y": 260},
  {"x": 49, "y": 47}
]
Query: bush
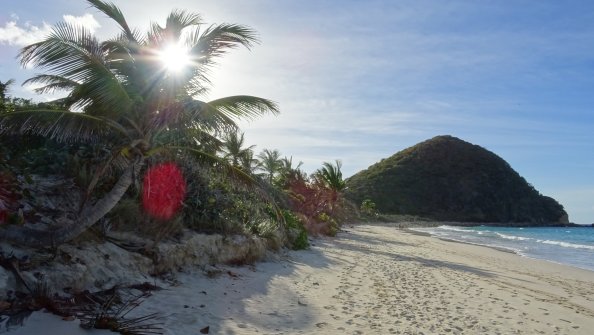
[
  {"x": 368, "y": 209},
  {"x": 295, "y": 230},
  {"x": 329, "y": 225}
]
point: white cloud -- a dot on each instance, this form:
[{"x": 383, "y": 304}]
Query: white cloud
[
  {"x": 12, "y": 34},
  {"x": 87, "y": 21},
  {"x": 20, "y": 35}
]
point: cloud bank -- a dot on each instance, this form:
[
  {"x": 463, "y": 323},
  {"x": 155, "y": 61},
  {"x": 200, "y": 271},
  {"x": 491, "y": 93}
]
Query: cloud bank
[{"x": 16, "y": 34}]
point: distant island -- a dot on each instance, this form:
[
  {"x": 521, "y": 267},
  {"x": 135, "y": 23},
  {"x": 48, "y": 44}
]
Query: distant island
[{"x": 448, "y": 179}]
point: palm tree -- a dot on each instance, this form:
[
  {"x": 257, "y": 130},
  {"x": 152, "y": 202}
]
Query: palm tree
[
  {"x": 121, "y": 94},
  {"x": 249, "y": 164},
  {"x": 3, "y": 90},
  {"x": 331, "y": 176},
  {"x": 287, "y": 165},
  {"x": 270, "y": 162},
  {"x": 288, "y": 172},
  {"x": 234, "y": 150}
]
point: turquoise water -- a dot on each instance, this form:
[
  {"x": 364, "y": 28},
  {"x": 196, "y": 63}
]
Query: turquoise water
[{"x": 571, "y": 246}]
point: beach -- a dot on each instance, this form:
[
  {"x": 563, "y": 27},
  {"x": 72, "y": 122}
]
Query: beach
[{"x": 372, "y": 279}]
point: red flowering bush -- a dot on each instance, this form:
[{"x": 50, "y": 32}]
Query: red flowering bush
[{"x": 163, "y": 190}]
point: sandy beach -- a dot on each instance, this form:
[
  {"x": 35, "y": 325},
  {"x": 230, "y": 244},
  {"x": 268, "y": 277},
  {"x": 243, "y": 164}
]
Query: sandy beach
[{"x": 373, "y": 279}]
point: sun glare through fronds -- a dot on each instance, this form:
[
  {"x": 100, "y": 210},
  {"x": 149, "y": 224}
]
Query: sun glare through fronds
[{"x": 175, "y": 57}]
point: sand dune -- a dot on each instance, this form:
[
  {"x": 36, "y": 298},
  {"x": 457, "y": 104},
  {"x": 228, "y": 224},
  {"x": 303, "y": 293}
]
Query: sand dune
[{"x": 377, "y": 280}]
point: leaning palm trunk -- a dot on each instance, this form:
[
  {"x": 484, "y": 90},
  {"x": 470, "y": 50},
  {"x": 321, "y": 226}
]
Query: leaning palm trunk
[{"x": 90, "y": 214}]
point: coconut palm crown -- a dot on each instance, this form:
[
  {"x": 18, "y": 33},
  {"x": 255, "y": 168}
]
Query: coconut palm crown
[
  {"x": 331, "y": 176},
  {"x": 235, "y": 151},
  {"x": 121, "y": 94}
]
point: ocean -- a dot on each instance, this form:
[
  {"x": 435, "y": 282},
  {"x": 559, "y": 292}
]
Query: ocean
[{"x": 571, "y": 246}]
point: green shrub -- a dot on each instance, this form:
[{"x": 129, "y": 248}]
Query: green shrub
[
  {"x": 331, "y": 227},
  {"x": 296, "y": 231},
  {"x": 368, "y": 208}
]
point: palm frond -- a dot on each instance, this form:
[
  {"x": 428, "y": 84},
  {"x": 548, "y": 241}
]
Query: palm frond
[
  {"x": 221, "y": 164},
  {"x": 270, "y": 162},
  {"x": 244, "y": 106},
  {"x": 7, "y": 83},
  {"x": 51, "y": 83},
  {"x": 178, "y": 20},
  {"x": 206, "y": 116},
  {"x": 331, "y": 175},
  {"x": 63, "y": 126},
  {"x": 234, "y": 149},
  {"x": 73, "y": 53},
  {"x": 117, "y": 50},
  {"x": 113, "y": 12},
  {"x": 217, "y": 40}
]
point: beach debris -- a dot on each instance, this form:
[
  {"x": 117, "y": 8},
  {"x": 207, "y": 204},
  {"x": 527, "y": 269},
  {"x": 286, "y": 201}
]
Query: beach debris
[
  {"x": 212, "y": 272},
  {"x": 100, "y": 310},
  {"x": 110, "y": 312},
  {"x": 205, "y": 330},
  {"x": 301, "y": 303},
  {"x": 145, "y": 287}
]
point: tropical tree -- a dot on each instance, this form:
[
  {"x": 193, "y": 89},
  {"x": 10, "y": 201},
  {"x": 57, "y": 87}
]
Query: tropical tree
[
  {"x": 3, "y": 96},
  {"x": 286, "y": 165},
  {"x": 287, "y": 172},
  {"x": 270, "y": 163},
  {"x": 249, "y": 164},
  {"x": 137, "y": 94},
  {"x": 331, "y": 176},
  {"x": 234, "y": 149}
]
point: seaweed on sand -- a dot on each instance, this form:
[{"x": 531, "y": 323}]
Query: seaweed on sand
[
  {"x": 110, "y": 311},
  {"x": 107, "y": 309}
]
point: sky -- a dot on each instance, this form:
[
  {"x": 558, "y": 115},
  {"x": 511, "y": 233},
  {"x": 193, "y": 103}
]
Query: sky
[{"x": 361, "y": 80}]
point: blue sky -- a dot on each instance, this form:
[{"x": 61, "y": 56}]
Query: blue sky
[{"x": 361, "y": 80}]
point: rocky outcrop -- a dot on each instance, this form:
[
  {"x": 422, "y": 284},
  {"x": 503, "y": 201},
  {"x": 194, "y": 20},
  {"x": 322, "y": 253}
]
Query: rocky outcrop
[{"x": 97, "y": 266}]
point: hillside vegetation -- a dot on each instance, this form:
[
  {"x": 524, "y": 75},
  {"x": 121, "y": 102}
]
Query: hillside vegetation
[{"x": 448, "y": 179}]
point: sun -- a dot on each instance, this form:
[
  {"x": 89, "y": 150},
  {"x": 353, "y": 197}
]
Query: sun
[{"x": 174, "y": 57}]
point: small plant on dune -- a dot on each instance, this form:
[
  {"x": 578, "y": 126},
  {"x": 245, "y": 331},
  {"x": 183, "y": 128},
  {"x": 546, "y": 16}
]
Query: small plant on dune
[
  {"x": 368, "y": 208},
  {"x": 296, "y": 231}
]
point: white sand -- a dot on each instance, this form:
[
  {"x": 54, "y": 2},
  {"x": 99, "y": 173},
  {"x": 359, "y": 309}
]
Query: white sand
[{"x": 374, "y": 280}]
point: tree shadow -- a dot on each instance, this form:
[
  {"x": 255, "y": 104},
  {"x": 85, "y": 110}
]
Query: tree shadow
[
  {"x": 426, "y": 262},
  {"x": 242, "y": 299},
  {"x": 269, "y": 297}
]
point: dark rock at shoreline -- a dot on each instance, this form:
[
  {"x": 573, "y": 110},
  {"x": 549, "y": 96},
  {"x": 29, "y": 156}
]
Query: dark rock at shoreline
[{"x": 448, "y": 179}]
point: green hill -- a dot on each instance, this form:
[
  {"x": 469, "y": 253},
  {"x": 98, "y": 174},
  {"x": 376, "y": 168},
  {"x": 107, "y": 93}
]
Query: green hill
[{"x": 448, "y": 179}]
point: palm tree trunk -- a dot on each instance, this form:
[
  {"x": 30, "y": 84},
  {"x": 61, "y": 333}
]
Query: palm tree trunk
[{"x": 90, "y": 214}]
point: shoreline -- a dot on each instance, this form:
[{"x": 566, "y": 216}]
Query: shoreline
[
  {"x": 374, "y": 279},
  {"x": 502, "y": 249},
  {"x": 495, "y": 247}
]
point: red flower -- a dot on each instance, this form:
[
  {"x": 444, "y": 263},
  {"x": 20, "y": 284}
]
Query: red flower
[{"x": 163, "y": 190}]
